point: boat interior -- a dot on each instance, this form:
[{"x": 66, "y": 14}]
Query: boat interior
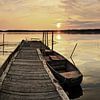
[{"x": 61, "y": 64}]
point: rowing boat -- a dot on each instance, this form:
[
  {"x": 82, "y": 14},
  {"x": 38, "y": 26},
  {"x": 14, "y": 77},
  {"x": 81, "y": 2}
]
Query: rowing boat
[{"x": 65, "y": 72}]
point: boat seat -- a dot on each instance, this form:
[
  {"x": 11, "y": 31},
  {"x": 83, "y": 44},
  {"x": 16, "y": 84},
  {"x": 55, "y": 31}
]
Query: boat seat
[
  {"x": 47, "y": 58},
  {"x": 71, "y": 74},
  {"x": 59, "y": 68},
  {"x": 48, "y": 52},
  {"x": 56, "y": 57}
]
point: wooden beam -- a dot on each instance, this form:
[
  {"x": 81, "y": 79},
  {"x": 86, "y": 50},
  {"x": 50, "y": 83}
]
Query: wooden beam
[
  {"x": 43, "y": 38},
  {"x": 3, "y": 43},
  {"x": 59, "y": 89},
  {"x": 47, "y": 39},
  {"x": 52, "y": 40}
]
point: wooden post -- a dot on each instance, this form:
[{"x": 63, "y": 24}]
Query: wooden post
[
  {"x": 73, "y": 53},
  {"x": 43, "y": 38},
  {"x": 47, "y": 39},
  {"x": 3, "y": 43},
  {"x": 73, "y": 50},
  {"x": 52, "y": 40}
]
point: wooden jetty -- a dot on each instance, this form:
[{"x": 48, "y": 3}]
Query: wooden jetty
[{"x": 25, "y": 75}]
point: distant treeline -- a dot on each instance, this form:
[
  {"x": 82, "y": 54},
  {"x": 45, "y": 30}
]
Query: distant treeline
[
  {"x": 85, "y": 31},
  {"x": 75, "y": 31}
]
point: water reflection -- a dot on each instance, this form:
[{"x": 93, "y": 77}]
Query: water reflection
[
  {"x": 86, "y": 57},
  {"x": 74, "y": 92}
]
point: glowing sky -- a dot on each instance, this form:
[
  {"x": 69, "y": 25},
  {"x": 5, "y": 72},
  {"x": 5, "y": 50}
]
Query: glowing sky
[{"x": 48, "y": 14}]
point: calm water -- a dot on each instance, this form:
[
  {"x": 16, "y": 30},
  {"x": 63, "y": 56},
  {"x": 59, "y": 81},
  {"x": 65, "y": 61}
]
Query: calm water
[{"x": 86, "y": 57}]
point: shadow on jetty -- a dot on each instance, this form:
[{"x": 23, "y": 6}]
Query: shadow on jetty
[{"x": 74, "y": 92}]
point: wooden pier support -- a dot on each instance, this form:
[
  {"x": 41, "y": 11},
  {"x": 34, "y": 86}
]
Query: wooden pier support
[
  {"x": 52, "y": 40},
  {"x": 45, "y": 39},
  {"x": 3, "y": 43}
]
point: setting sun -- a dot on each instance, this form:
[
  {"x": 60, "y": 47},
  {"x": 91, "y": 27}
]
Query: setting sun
[{"x": 58, "y": 25}]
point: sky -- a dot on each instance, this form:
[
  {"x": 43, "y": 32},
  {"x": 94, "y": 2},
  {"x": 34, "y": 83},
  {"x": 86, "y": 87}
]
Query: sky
[{"x": 49, "y": 14}]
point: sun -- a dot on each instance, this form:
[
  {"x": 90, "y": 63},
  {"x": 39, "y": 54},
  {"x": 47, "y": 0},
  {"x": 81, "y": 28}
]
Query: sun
[{"x": 58, "y": 25}]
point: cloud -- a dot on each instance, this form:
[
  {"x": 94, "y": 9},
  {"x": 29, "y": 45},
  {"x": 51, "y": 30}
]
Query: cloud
[
  {"x": 30, "y": 12},
  {"x": 72, "y": 12},
  {"x": 82, "y": 24},
  {"x": 87, "y": 12},
  {"x": 82, "y": 7},
  {"x": 29, "y": 6},
  {"x": 77, "y": 22}
]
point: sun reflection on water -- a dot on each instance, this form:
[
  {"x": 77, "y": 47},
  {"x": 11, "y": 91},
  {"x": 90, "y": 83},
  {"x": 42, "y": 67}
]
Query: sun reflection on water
[{"x": 58, "y": 37}]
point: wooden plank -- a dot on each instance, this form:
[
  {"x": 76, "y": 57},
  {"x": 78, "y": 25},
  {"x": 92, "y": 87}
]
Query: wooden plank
[
  {"x": 54, "y": 81},
  {"x": 27, "y": 78}
]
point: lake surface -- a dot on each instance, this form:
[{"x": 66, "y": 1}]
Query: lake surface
[{"x": 86, "y": 56}]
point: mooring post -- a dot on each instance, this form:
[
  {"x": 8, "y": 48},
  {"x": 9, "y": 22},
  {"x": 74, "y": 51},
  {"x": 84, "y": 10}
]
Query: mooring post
[
  {"x": 43, "y": 38},
  {"x": 47, "y": 39},
  {"x": 3, "y": 43},
  {"x": 73, "y": 50},
  {"x": 73, "y": 53},
  {"x": 52, "y": 39}
]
